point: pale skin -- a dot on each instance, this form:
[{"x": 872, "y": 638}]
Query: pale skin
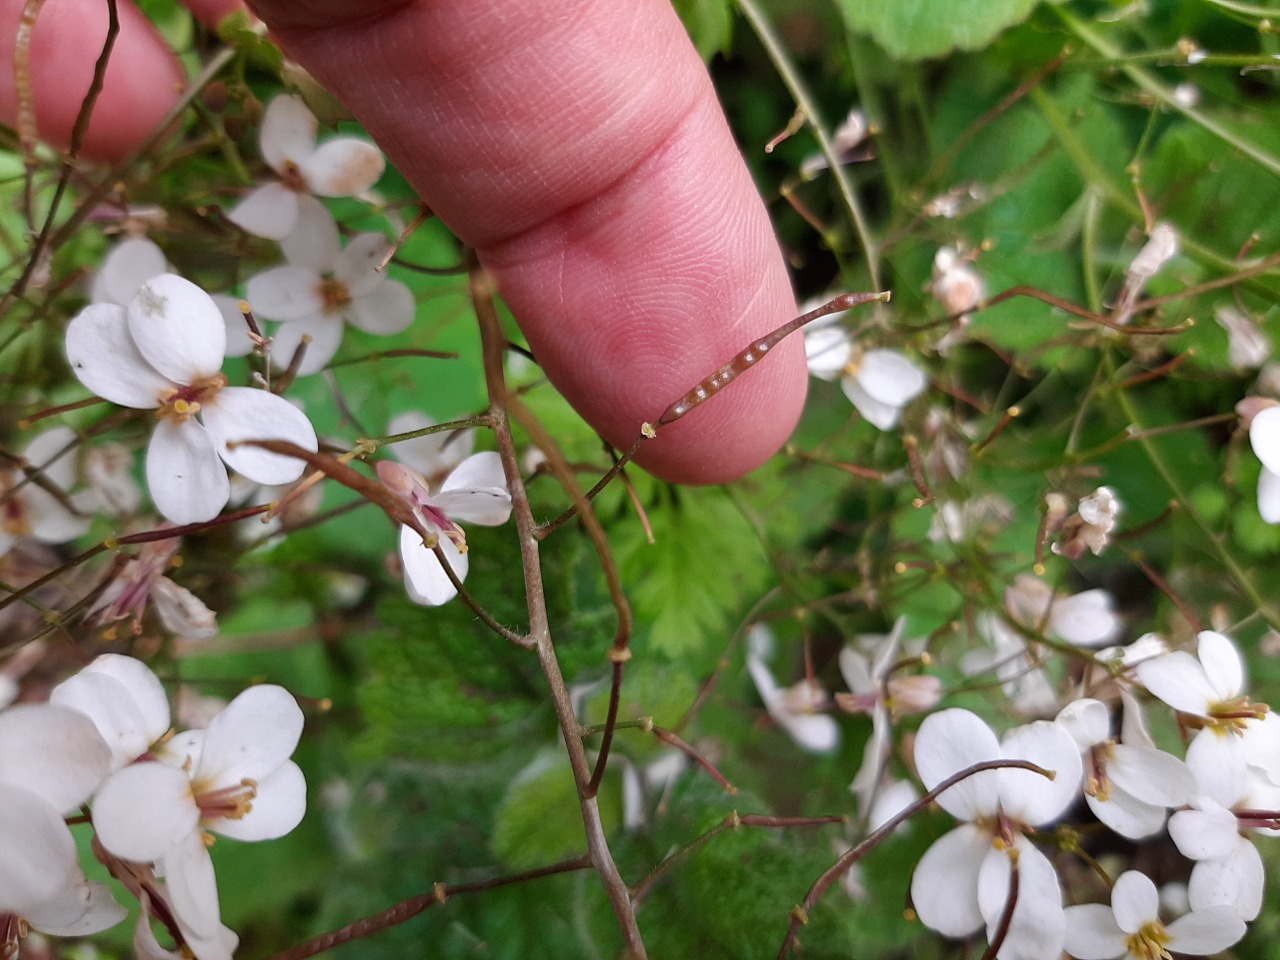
[{"x": 577, "y": 145}]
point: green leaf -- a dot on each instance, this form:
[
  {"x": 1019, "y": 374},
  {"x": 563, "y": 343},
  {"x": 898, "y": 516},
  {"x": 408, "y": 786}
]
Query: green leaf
[
  {"x": 710, "y": 25},
  {"x": 704, "y": 565},
  {"x": 538, "y": 821},
  {"x": 916, "y": 29}
]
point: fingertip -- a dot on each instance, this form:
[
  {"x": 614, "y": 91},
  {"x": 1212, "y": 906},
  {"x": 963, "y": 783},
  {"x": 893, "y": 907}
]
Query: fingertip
[{"x": 142, "y": 81}]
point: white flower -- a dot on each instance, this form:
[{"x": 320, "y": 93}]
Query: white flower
[
  {"x": 1086, "y": 619},
  {"x": 129, "y": 265},
  {"x": 432, "y": 455},
  {"x": 475, "y": 492},
  {"x": 1015, "y": 664},
  {"x": 32, "y": 511},
  {"x": 1210, "y": 688},
  {"x": 324, "y": 287},
  {"x": 235, "y": 779},
  {"x": 1128, "y": 786},
  {"x": 1247, "y": 347},
  {"x": 125, "y": 701},
  {"x": 879, "y": 382},
  {"x": 964, "y": 879},
  {"x": 165, "y": 351},
  {"x": 796, "y": 708},
  {"x": 1228, "y": 870},
  {"x": 1131, "y": 926},
  {"x": 111, "y": 489},
  {"x": 341, "y": 167},
  {"x": 872, "y": 690},
  {"x": 51, "y": 760},
  {"x": 1263, "y": 419}
]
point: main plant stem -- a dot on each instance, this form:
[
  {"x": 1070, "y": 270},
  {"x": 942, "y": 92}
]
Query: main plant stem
[{"x": 493, "y": 343}]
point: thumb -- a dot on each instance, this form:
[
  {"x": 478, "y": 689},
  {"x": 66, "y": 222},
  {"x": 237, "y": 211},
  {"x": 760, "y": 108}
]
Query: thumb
[{"x": 577, "y": 145}]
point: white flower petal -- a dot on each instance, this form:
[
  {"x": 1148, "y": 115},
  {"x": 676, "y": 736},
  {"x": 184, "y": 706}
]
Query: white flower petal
[
  {"x": 285, "y": 294},
  {"x": 1207, "y": 833},
  {"x": 1088, "y": 721},
  {"x": 188, "y": 482},
  {"x": 828, "y": 351},
  {"x": 178, "y": 328},
  {"x": 1135, "y": 901},
  {"x": 1126, "y": 815},
  {"x": 1086, "y": 619},
  {"x": 77, "y": 911},
  {"x": 385, "y": 310},
  {"x": 476, "y": 492},
  {"x": 183, "y": 613},
  {"x": 1264, "y": 437},
  {"x": 1179, "y": 680},
  {"x": 356, "y": 267},
  {"x": 52, "y": 751},
  {"x": 1030, "y": 797},
  {"x": 269, "y": 211},
  {"x": 130, "y": 263},
  {"x": 1222, "y": 664},
  {"x": 948, "y": 742},
  {"x": 433, "y": 453},
  {"x": 253, "y": 737},
  {"x": 882, "y": 416},
  {"x": 238, "y": 342},
  {"x": 325, "y": 331},
  {"x": 314, "y": 243},
  {"x": 127, "y": 723},
  {"x": 48, "y": 452},
  {"x": 49, "y": 520},
  {"x": 424, "y": 578},
  {"x": 104, "y": 358},
  {"x": 944, "y": 886},
  {"x": 1235, "y": 880},
  {"x": 1269, "y": 496},
  {"x": 888, "y": 377},
  {"x": 1038, "y": 926},
  {"x": 144, "y": 811},
  {"x": 192, "y": 886},
  {"x": 1151, "y": 775},
  {"x": 37, "y": 851},
  {"x": 288, "y": 132},
  {"x": 343, "y": 167},
  {"x": 278, "y": 807},
  {"x": 1262, "y": 746},
  {"x": 1217, "y": 759},
  {"x": 1092, "y": 933},
  {"x": 245, "y": 413},
  {"x": 1206, "y": 931}
]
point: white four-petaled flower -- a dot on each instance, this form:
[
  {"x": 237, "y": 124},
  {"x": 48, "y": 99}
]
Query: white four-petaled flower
[
  {"x": 879, "y": 382},
  {"x": 165, "y": 352},
  {"x": 323, "y": 287},
  {"x": 341, "y": 167}
]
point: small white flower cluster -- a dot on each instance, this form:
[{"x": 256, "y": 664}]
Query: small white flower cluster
[
  {"x": 992, "y": 873},
  {"x": 323, "y": 286},
  {"x": 104, "y": 738}
]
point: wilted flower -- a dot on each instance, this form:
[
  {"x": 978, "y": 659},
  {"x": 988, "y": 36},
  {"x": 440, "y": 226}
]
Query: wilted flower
[
  {"x": 1160, "y": 248},
  {"x": 1247, "y": 347},
  {"x": 1089, "y": 528}
]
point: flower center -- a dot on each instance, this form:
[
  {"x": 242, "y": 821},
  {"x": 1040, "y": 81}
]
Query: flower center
[
  {"x": 1234, "y": 716},
  {"x": 1098, "y": 784},
  {"x": 1150, "y": 942},
  {"x": 334, "y": 294},
  {"x": 13, "y": 517},
  {"x": 229, "y": 803},
  {"x": 182, "y": 403},
  {"x": 291, "y": 176}
]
